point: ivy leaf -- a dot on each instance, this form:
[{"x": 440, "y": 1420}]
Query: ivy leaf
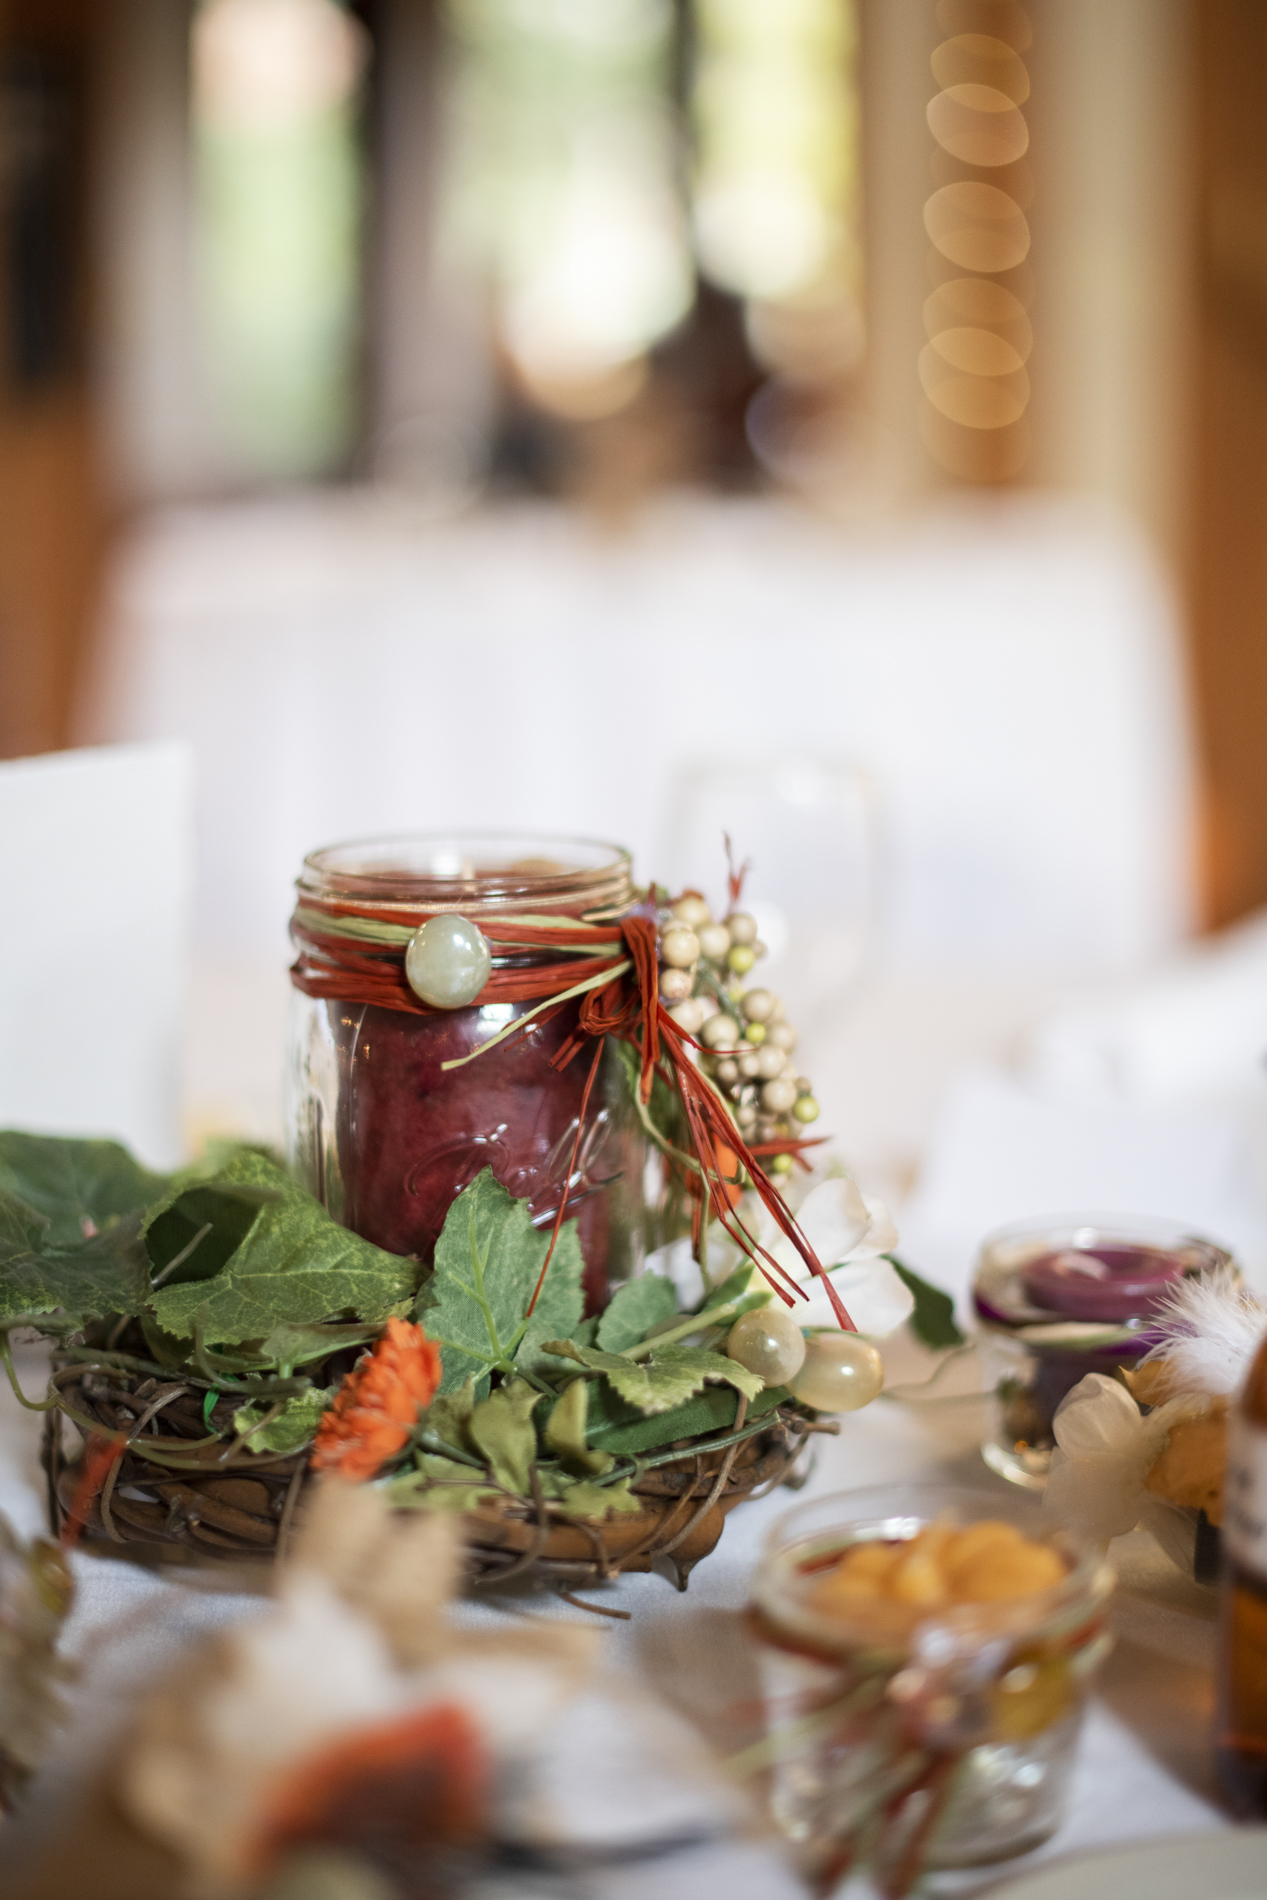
[
  {"x": 933, "y": 1320},
  {"x": 566, "y": 1426},
  {"x": 501, "y": 1428},
  {"x": 22, "y": 1230},
  {"x": 668, "y": 1378},
  {"x": 107, "y": 1274},
  {"x": 294, "y": 1426},
  {"x": 487, "y": 1263},
  {"x": 634, "y": 1309},
  {"x": 294, "y": 1265},
  {"x": 438, "y": 1484},
  {"x": 80, "y": 1187},
  {"x": 290, "y": 1345},
  {"x": 449, "y": 1415},
  {"x": 580, "y": 1497},
  {"x": 620, "y": 1428}
]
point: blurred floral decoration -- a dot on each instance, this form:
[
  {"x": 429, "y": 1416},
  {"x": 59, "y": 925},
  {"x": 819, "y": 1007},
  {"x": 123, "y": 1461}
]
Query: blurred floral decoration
[
  {"x": 351, "y": 1732},
  {"x": 36, "y": 1591},
  {"x": 1152, "y": 1446}
]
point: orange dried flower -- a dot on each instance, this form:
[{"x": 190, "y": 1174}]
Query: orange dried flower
[{"x": 377, "y": 1405}]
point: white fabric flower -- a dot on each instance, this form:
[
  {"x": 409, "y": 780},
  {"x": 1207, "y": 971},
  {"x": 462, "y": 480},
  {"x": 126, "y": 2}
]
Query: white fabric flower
[
  {"x": 1105, "y": 1447},
  {"x": 849, "y": 1231}
]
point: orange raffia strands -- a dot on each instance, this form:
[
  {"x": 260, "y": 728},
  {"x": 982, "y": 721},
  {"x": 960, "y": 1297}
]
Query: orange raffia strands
[
  {"x": 627, "y": 1007},
  {"x": 377, "y": 1406}
]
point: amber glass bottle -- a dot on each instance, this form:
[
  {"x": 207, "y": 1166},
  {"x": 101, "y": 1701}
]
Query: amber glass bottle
[{"x": 1242, "y": 1710}]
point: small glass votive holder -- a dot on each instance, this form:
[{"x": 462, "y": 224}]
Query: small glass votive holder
[
  {"x": 943, "y": 1745},
  {"x": 1058, "y": 1298}
]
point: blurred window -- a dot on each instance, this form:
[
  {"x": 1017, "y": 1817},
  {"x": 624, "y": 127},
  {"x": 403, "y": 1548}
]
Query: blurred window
[{"x": 276, "y": 86}]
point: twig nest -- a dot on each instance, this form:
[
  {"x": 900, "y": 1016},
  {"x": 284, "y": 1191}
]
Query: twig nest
[
  {"x": 779, "y": 1095},
  {"x": 769, "y": 1342},
  {"x": 742, "y": 927},
  {"x": 679, "y": 947},
  {"x": 714, "y": 942},
  {"x": 758, "y": 1006},
  {"x": 692, "y": 911},
  {"x": 721, "y": 1032},
  {"x": 447, "y": 962},
  {"x": 841, "y": 1373}
]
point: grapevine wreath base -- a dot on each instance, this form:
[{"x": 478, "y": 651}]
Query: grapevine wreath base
[{"x": 239, "y": 1506}]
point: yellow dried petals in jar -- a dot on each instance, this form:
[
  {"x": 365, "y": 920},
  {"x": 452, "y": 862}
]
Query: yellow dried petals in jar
[{"x": 939, "y": 1568}]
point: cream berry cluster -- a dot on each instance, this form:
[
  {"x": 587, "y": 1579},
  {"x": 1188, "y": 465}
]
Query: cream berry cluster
[{"x": 748, "y": 1041}]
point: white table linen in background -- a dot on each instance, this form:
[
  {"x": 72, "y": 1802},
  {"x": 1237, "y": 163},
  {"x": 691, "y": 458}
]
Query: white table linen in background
[{"x": 96, "y": 878}]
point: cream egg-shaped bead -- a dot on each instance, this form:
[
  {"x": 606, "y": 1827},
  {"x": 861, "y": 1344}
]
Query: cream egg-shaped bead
[
  {"x": 778, "y": 1096},
  {"x": 758, "y": 1006},
  {"x": 727, "y": 1071},
  {"x": 748, "y": 1065},
  {"x": 688, "y": 1016},
  {"x": 692, "y": 911},
  {"x": 782, "y": 1036},
  {"x": 841, "y": 1373},
  {"x": 746, "y": 1115},
  {"x": 770, "y": 1343},
  {"x": 679, "y": 947},
  {"x": 721, "y": 1031},
  {"x": 447, "y": 961},
  {"x": 675, "y": 985},
  {"x": 770, "y": 1062},
  {"x": 742, "y": 927},
  {"x": 714, "y": 942}
]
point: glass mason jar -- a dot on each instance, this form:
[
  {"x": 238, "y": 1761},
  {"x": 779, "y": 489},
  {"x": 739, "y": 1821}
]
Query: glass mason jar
[
  {"x": 1056, "y": 1299},
  {"x": 382, "y": 1134},
  {"x": 948, "y": 1747}
]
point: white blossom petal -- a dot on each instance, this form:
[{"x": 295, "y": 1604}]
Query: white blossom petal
[{"x": 876, "y": 1300}]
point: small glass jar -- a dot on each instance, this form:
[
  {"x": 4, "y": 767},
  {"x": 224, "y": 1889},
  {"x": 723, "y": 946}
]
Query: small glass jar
[
  {"x": 950, "y": 1747},
  {"x": 1057, "y": 1299},
  {"x": 386, "y": 1137}
]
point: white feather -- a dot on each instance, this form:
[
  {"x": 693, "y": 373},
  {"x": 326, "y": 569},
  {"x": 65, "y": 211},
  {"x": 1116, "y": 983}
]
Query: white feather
[{"x": 1212, "y": 1328}]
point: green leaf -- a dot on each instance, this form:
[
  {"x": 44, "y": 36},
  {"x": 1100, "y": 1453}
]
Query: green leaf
[
  {"x": 580, "y": 1497},
  {"x": 290, "y": 1345},
  {"x": 565, "y": 1430},
  {"x": 293, "y": 1266},
  {"x": 634, "y": 1309},
  {"x": 735, "y": 1286},
  {"x": 667, "y": 1378},
  {"x": 438, "y": 1484},
  {"x": 501, "y": 1428},
  {"x": 294, "y": 1426},
  {"x": 107, "y": 1274},
  {"x": 487, "y": 1263},
  {"x": 449, "y": 1415},
  {"x": 80, "y": 1187},
  {"x": 933, "y": 1321},
  {"x": 620, "y": 1428},
  {"x": 22, "y": 1230}
]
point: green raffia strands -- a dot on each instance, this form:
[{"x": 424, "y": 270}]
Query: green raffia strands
[
  {"x": 371, "y": 930},
  {"x": 511, "y": 1029}
]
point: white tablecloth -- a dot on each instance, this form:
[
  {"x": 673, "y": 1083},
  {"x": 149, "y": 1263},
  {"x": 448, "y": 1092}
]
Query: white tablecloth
[{"x": 1144, "y": 1765}]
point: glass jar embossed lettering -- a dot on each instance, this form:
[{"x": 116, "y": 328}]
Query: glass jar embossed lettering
[{"x": 385, "y": 1134}]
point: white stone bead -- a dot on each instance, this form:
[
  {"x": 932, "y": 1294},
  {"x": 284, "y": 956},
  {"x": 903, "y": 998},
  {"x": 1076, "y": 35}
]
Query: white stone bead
[
  {"x": 721, "y": 1032},
  {"x": 758, "y": 1006},
  {"x": 679, "y": 947},
  {"x": 782, "y": 1036},
  {"x": 778, "y": 1096},
  {"x": 714, "y": 942},
  {"x": 692, "y": 911},
  {"x": 742, "y": 928},
  {"x": 447, "y": 961},
  {"x": 688, "y": 1016},
  {"x": 769, "y": 1342},
  {"x": 675, "y": 985},
  {"x": 746, "y": 1115},
  {"x": 770, "y": 1062},
  {"x": 749, "y": 1065},
  {"x": 841, "y": 1373},
  {"x": 727, "y": 1071}
]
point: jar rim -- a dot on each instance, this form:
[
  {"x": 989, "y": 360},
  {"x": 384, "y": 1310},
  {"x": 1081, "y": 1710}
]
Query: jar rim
[{"x": 472, "y": 870}]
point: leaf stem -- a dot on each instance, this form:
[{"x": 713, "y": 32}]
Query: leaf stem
[
  {"x": 694, "y": 1323},
  {"x": 30, "y": 1405}
]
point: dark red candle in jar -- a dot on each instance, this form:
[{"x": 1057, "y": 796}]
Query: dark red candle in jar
[{"x": 387, "y": 1137}]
